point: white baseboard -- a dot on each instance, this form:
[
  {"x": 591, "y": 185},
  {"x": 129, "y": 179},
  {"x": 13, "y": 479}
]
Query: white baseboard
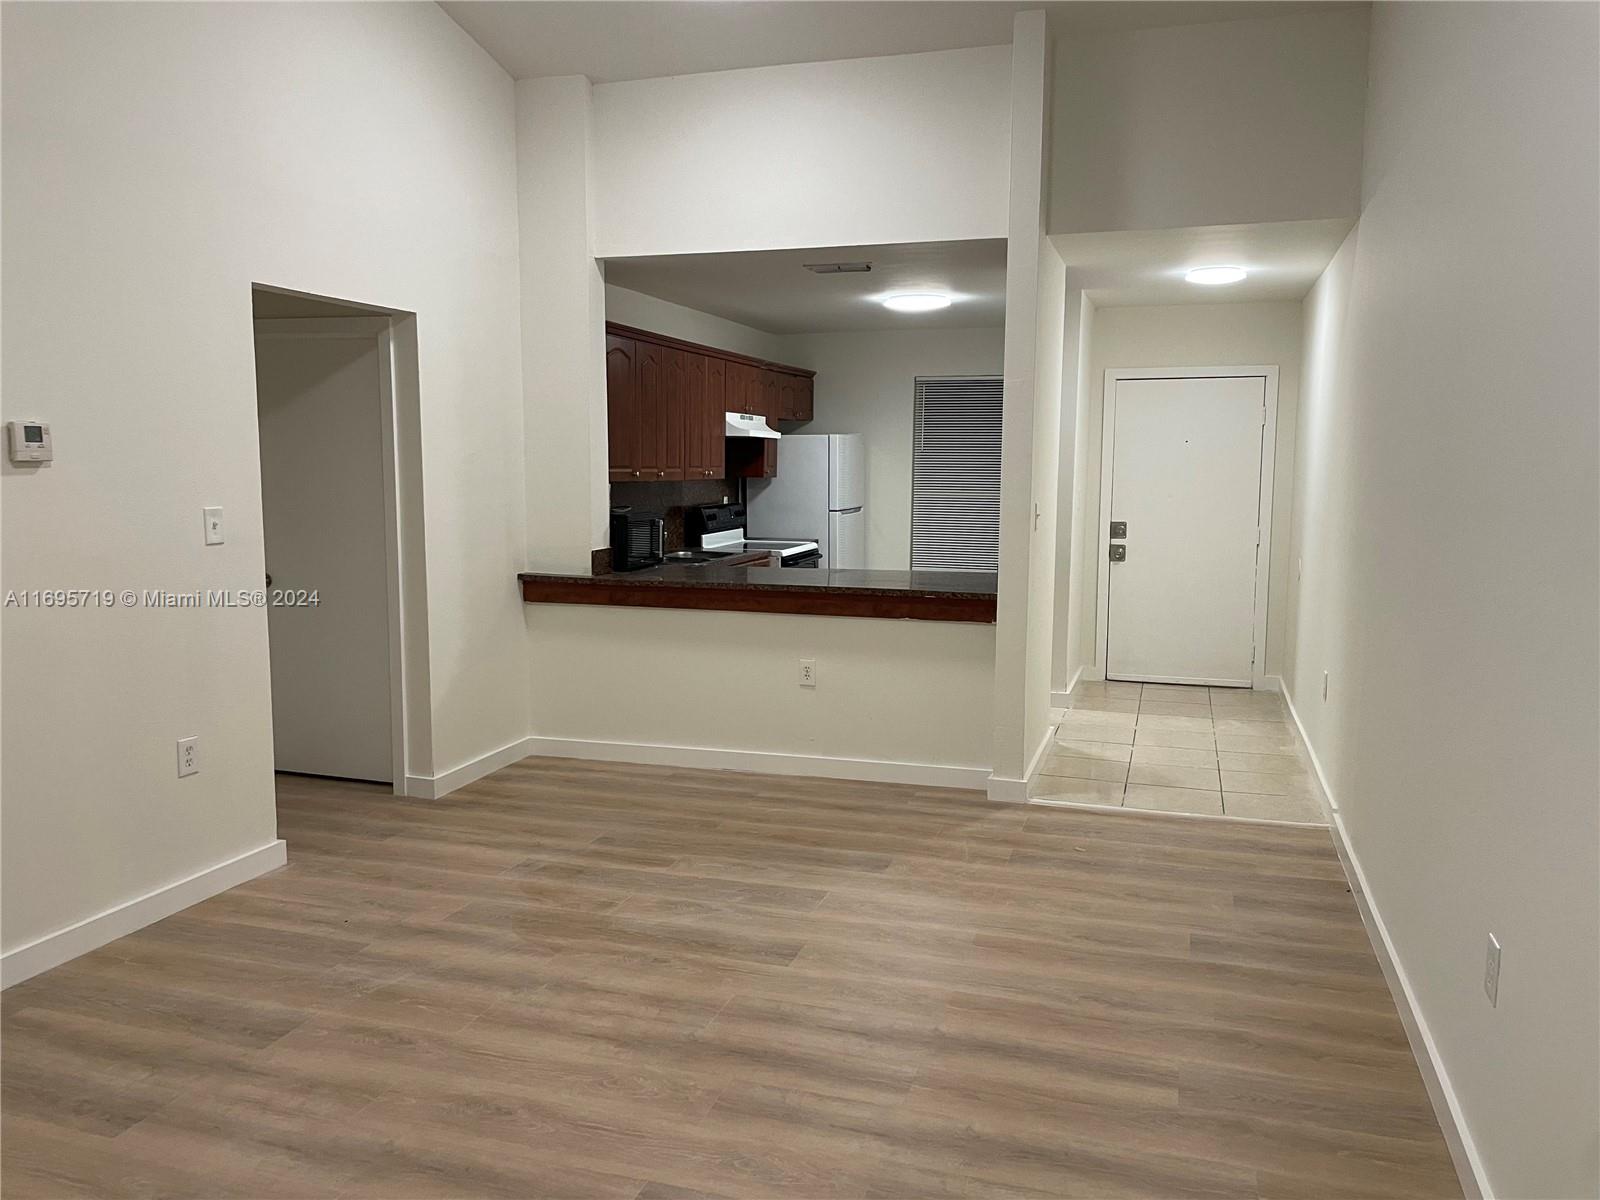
[
  {"x": 436, "y": 787},
  {"x": 93, "y": 932},
  {"x": 765, "y": 762},
  {"x": 1446, "y": 1104},
  {"x": 1063, "y": 698},
  {"x": 1015, "y": 791}
]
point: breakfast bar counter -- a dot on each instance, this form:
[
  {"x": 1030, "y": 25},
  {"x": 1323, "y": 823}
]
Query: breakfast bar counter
[{"x": 967, "y": 596}]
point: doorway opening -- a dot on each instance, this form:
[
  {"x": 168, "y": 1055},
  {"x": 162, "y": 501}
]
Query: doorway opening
[{"x": 339, "y": 491}]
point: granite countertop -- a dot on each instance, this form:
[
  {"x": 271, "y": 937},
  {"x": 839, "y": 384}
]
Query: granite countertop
[
  {"x": 894, "y": 583},
  {"x": 908, "y": 595}
]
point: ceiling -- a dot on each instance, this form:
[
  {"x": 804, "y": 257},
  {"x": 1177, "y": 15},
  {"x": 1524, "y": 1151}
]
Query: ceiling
[
  {"x": 1147, "y": 266},
  {"x": 772, "y": 290},
  {"x": 612, "y": 40}
]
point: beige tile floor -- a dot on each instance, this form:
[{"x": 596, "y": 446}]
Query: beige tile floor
[{"x": 1162, "y": 748}]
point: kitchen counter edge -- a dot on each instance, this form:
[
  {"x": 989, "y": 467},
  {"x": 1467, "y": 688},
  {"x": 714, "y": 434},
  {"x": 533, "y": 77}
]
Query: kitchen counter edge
[{"x": 956, "y": 596}]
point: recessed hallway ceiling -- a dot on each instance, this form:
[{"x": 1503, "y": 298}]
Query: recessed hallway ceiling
[
  {"x": 610, "y": 42},
  {"x": 1283, "y": 259}
]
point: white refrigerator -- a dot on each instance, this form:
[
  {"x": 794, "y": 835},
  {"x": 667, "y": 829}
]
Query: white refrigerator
[{"x": 820, "y": 492}]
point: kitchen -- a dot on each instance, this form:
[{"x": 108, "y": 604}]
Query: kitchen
[{"x": 777, "y": 439}]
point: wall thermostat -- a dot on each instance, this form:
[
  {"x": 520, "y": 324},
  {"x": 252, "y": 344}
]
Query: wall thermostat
[{"x": 29, "y": 441}]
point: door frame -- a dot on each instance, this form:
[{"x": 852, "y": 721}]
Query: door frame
[
  {"x": 1269, "y": 443},
  {"x": 380, "y": 329}
]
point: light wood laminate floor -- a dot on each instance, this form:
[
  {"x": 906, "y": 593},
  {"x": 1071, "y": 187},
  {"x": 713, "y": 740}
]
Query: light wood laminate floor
[{"x": 574, "y": 980}]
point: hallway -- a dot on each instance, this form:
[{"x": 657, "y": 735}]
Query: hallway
[{"x": 1207, "y": 751}]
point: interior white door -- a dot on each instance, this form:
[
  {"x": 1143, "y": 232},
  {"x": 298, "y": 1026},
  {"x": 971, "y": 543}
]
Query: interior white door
[
  {"x": 1186, "y": 480},
  {"x": 322, "y": 507}
]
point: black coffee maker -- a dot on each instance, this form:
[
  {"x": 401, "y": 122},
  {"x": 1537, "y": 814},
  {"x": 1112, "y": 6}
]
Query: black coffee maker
[{"x": 635, "y": 539}]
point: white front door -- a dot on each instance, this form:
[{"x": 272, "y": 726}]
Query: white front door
[
  {"x": 1185, "y": 460},
  {"x": 322, "y": 507}
]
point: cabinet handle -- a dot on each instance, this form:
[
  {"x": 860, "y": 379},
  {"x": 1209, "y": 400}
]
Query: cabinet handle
[{"x": 636, "y": 474}]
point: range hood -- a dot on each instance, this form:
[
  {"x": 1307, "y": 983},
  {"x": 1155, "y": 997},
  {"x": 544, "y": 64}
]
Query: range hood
[{"x": 747, "y": 425}]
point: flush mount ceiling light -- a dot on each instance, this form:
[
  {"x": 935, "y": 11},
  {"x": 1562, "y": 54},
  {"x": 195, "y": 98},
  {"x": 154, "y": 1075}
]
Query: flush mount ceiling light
[
  {"x": 1215, "y": 276},
  {"x": 916, "y": 302}
]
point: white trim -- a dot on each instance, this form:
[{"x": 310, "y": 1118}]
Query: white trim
[
  {"x": 93, "y": 932},
  {"x": 394, "y": 571},
  {"x": 1015, "y": 791},
  {"x": 1269, "y": 445},
  {"x": 765, "y": 762},
  {"x": 1120, "y": 810},
  {"x": 377, "y": 328},
  {"x": 436, "y": 787},
  {"x": 1062, "y": 699},
  {"x": 1446, "y": 1104}
]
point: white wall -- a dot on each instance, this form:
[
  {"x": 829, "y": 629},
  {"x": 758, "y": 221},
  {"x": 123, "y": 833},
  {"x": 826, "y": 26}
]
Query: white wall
[
  {"x": 1214, "y": 124},
  {"x": 692, "y": 325},
  {"x": 866, "y": 384},
  {"x": 563, "y": 343},
  {"x": 1030, "y": 452},
  {"x": 1195, "y": 335},
  {"x": 1446, "y": 509},
  {"x": 909, "y": 148},
  {"x": 156, "y": 164},
  {"x": 903, "y": 693},
  {"x": 1077, "y": 548}
]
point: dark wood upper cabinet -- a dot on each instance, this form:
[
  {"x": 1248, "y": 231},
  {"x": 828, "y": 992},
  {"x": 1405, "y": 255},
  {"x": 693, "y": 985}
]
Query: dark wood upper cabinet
[
  {"x": 794, "y": 397},
  {"x": 744, "y": 388},
  {"x": 708, "y": 421},
  {"x": 707, "y": 380},
  {"x": 769, "y": 395},
  {"x": 805, "y": 392},
  {"x": 665, "y": 404},
  {"x": 673, "y": 413},
  {"x": 623, "y": 414},
  {"x": 651, "y": 396}
]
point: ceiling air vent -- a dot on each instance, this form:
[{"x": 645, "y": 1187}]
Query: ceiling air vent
[{"x": 854, "y": 268}]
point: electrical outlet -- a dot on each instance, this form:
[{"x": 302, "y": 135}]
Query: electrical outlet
[
  {"x": 1324, "y": 685},
  {"x": 188, "y": 756},
  {"x": 1491, "y": 972},
  {"x": 808, "y": 672}
]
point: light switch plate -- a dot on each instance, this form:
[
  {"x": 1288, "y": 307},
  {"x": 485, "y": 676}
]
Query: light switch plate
[{"x": 213, "y": 523}]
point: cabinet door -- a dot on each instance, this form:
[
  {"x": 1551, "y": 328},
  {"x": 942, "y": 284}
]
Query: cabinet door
[
  {"x": 794, "y": 397},
  {"x": 804, "y": 398},
  {"x": 672, "y": 415},
  {"x": 714, "y": 398},
  {"x": 622, "y": 407},
  {"x": 652, "y": 401},
  {"x": 769, "y": 395},
  {"x": 784, "y": 397},
  {"x": 743, "y": 388}
]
